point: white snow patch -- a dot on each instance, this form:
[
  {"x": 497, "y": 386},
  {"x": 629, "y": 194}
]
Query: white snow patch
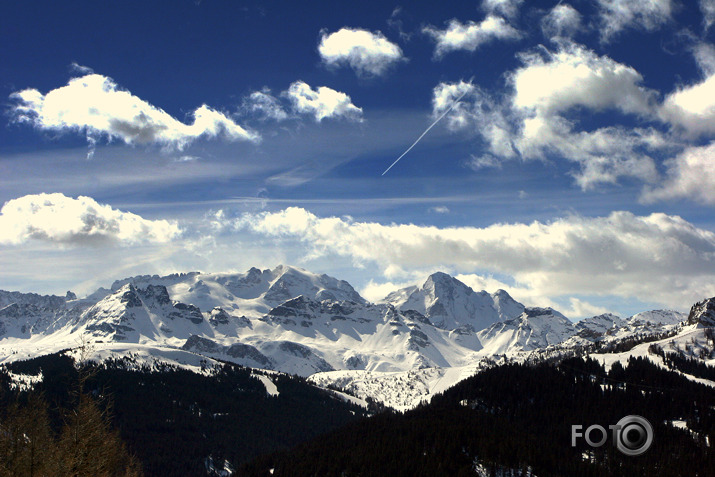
[{"x": 271, "y": 388}]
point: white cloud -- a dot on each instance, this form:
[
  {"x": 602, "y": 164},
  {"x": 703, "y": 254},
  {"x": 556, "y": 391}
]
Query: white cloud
[
  {"x": 470, "y": 36},
  {"x": 484, "y": 162},
  {"x": 507, "y": 8},
  {"x": 265, "y": 106},
  {"x": 692, "y": 108},
  {"x": 551, "y": 85},
  {"x": 617, "y": 15},
  {"x": 690, "y": 175},
  {"x": 563, "y": 21},
  {"x": 444, "y": 96},
  {"x": 577, "y": 308},
  {"x": 80, "y": 69},
  {"x": 707, "y": 7},
  {"x": 377, "y": 291},
  {"x": 604, "y": 155},
  {"x": 95, "y": 105},
  {"x": 368, "y": 53},
  {"x": 574, "y": 76},
  {"x": 440, "y": 209},
  {"x": 655, "y": 258},
  {"x": 704, "y": 54},
  {"x": 322, "y": 102},
  {"x": 475, "y": 111},
  {"x": 581, "y": 309},
  {"x": 60, "y": 219}
]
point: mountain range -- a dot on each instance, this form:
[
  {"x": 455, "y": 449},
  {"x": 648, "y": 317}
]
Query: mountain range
[{"x": 416, "y": 341}]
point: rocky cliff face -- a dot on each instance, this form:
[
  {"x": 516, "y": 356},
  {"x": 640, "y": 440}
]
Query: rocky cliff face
[{"x": 703, "y": 313}]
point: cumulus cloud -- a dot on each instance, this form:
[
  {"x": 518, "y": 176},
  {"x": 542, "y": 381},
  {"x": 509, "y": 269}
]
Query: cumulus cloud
[
  {"x": 95, "y": 105},
  {"x": 539, "y": 120},
  {"x": 368, "y": 53},
  {"x": 657, "y": 258},
  {"x": 575, "y": 76},
  {"x": 617, "y": 15},
  {"x": 322, "y": 102},
  {"x": 692, "y": 108},
  {"x": 563, "y": 21},
  {"x": 60, "y": 219},
  {"x": 550, "y": 85},
  {"x": 470, "y": 36},
  {"x": 265, "y": 106},
  {"x": 690, "y": 175}
]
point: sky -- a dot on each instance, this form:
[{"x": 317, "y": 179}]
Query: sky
[{"x": 562, "y": 151}]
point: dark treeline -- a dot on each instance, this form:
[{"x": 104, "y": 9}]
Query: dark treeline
[
  {"x": 73, "y": 438},
  {"x": 173, "y": 421},
  {"x": 519, "y": 417}
]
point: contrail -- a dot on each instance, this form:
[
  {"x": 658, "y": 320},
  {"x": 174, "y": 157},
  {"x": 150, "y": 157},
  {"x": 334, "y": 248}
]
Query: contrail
[{"x": 427, "y": 130}]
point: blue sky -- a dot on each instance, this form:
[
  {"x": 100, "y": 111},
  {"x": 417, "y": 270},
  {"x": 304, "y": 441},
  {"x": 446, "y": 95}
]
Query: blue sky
[{"x": 572, "y": 166}]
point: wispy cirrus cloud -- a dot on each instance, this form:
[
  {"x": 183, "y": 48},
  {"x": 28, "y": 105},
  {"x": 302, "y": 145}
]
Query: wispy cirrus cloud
[
  {"x": 507, "y": 8},
  {"x": 62, "y": 220},
  {"x": 470, "y": 36},
  {"x": 707, "y": 7},
  {"x": 263, "y": 105},
  {"x": 479, "y": 112},
  {"x": 618, "y": 15},
  {"x": 563, "y": 21},
  {"x": 367, "y": 53},
  {"x": 96, "y": 106}
]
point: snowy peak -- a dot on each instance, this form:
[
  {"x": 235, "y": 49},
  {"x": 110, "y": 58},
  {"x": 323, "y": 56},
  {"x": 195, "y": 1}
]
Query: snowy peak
[
  {"x": 506, "y": 306},
  {"x": 290, "y": 282},
  {"x": 254, "y": 292},
  {"x": 657, "y": 318},
  {"x": 599, "y": 325},
  {"x": 534, "y": 328},
  {"x": 38, "y": 301},
  {"x": 703, "y": 313},
  {"x": 134, "y": 314},
  {"x": 450, "y": 304}
]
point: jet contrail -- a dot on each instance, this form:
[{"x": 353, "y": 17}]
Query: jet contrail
[{"x": 427, "y": 130}]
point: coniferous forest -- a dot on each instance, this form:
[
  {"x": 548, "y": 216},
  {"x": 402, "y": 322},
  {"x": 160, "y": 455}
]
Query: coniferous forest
[
  {"x": 176, "y": 422},
  {"x": 517, "y": 418}
]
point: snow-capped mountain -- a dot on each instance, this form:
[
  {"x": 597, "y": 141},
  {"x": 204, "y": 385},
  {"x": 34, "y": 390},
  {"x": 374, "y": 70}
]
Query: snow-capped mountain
[
  {"x": 450, "y": 304},
  {"x": 597, "y": 326},
  {"x": 534, "y": 328},
  {"x": 421, "y": 339},
  {"x": 657, "y": 318},
  {"x": 703, "y": 313},
  {"x": 251, "y": 294}
]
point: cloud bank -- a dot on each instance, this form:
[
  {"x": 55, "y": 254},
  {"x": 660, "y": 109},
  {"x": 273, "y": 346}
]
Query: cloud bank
[
  {"x": 63, "y": 220},
  {"x": 655, "y": 258}
]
